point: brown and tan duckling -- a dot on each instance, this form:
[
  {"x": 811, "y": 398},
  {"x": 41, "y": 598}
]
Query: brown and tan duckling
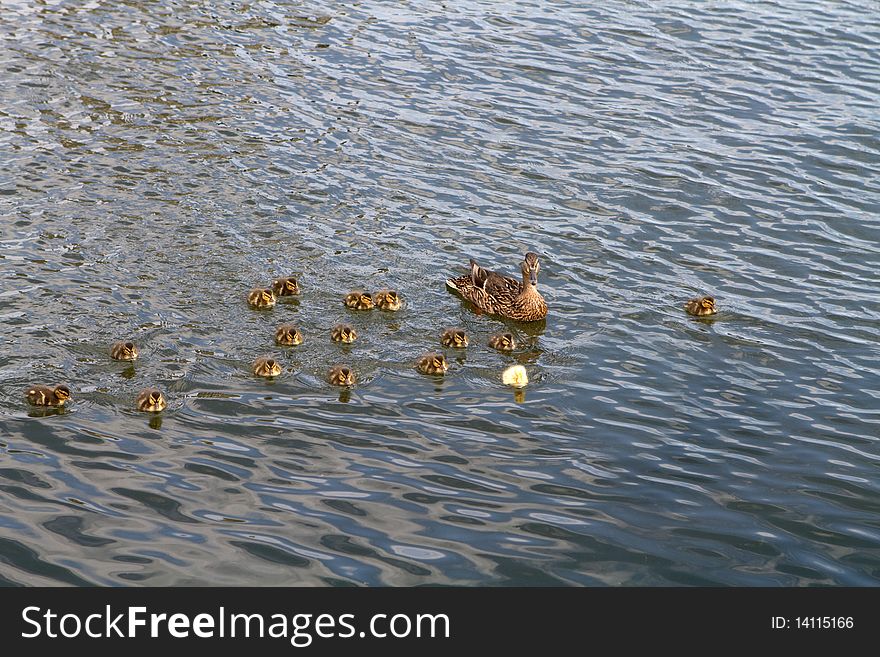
[
  {"x": 433, "y": 363},
  {"x": 341, "y": 375},
  {"x": 454, "y": 337},
  {"x": 285, "y": 287},
  {"x": 387, "y": 300},
  {"x": 124, "y": 351},
  {"x": 343, "y": 333},
  {"x": 266, "y": 366},
  {"x": 701, "y": 307},
  {"x": 359, "y": 300},
  {"x": 502, "y": 342},
  {"x": 261, "y": 297},
  {"x": 151, "y": 400},
  {"x": 288, "y": 335},
  {"x": 40, "y": 395}
]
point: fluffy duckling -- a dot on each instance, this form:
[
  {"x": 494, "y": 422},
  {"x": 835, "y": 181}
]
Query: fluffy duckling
[
  {"x": 40, "y": 395},
  {"x": 358, "y": 300},
  {"x": 261, "y": 297},
  {"x": 343, "y": 333},
  {"x": 515, "y": 376},
  {"x": 266, "y": 367},
  {"x": 151, "y": 400},
  {"x": 341, "y": 375},
  {"x": 502, "y": 342},
  {"x": 285, "y": 287},
  {"x": 124, "y": 351},
  {"x": 701, "y": 307},
  {"x": 288, "y": 335},
  {"x": 387, "y": 300},
  {"x": 433, "y": 363},
  {"x": 454, "y": 337}
]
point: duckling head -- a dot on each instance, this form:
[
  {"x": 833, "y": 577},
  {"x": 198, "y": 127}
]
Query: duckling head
[
  {"x": 62, "y": 393},
  {"x": 707, "y": 305},
  {"x": 124, "y": 351}
]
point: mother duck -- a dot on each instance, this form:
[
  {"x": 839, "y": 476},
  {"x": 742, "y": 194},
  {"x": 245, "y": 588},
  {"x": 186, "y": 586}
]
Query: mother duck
[{"x": 495, "y": 294}]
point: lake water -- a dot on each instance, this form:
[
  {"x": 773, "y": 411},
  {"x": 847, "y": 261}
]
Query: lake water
[{"x": 157, "y": 160}]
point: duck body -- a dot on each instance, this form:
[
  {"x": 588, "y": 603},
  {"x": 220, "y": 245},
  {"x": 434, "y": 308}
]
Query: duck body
[
  {"x": 343, "y": 333},
  {"x": 701, "y": 307},
  {"x": 502, "y": 342},
  {"x": 432, "y": 363},
  {"x": 151, "y": 400},
  {"x": 495, "y": 294},
  {"x": 261, "y": 298},
  {"x": 285, "y": 287},
  {"x": 359, "y": 300},
  {"x": 288, "y": 335},
  {"x": 341, "y": 375},
  {"x": 267, "y": 367},
  {"x": 454, "y": 337},
  {"x": 40, "y": 395},
  {"x": 124, "y": 351},
  {"x": 387, "y": 300}
]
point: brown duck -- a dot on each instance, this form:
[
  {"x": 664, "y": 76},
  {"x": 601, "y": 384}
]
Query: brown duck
[{"x": 500, "y": 295}]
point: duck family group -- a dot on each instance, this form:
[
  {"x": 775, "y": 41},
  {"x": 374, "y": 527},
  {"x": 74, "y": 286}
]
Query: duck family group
[{"x": 492, "y": 293}]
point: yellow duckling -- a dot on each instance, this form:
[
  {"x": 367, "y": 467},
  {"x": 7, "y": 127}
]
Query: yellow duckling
[
  {"x": 261, "y": 297},
  {"x": 433, "y": 363},
  {"x": 266, "y": 367},
  {"x": 515, "y": 376},
  {"x": 124, "y": 351},
  {"x": 151, "y": 400},
  {"x": 288, "y": 335},
  {"x": 502, "y": 342},
  {"x": 342, "y": 375},
  {"x": 701, "y": 307},
  {"x": 343, "y": 333},
  {"x": 40, "y": 395},
  {"x": 285, "y": 287},
  {"x": 358, "y": 300},
  {"x": 387, "y": 300},
  {"x": 454, "y": 337}
]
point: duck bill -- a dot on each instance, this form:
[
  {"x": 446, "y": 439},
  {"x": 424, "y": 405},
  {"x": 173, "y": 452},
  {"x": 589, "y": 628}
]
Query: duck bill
[{"x": 533, "y": 277}]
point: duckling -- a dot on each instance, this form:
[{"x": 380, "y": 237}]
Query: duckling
[
  {"x": 358, "y": 300},
  {"x": 387, "y": 300},
  {"x": 285, "y": 287},
  {"x": 433, "y": 363},
  {"x": 261, "y": 298},
  {"x": 342, "y": 375},
  {"x": 515, "y": 376},
  {"x": 502, "y": 342},
  {"x": 124, "y": 351},
  {"x": 701, "y": 307},
  {"x": 288, "y": 335},
  {"x": 40, "y": 395},
  {"x": 266, "y": 367},
  {"x": 343, "y": 333},
  {"x": 454, "y": 337},
  {"x": 151, "y": 400}
]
